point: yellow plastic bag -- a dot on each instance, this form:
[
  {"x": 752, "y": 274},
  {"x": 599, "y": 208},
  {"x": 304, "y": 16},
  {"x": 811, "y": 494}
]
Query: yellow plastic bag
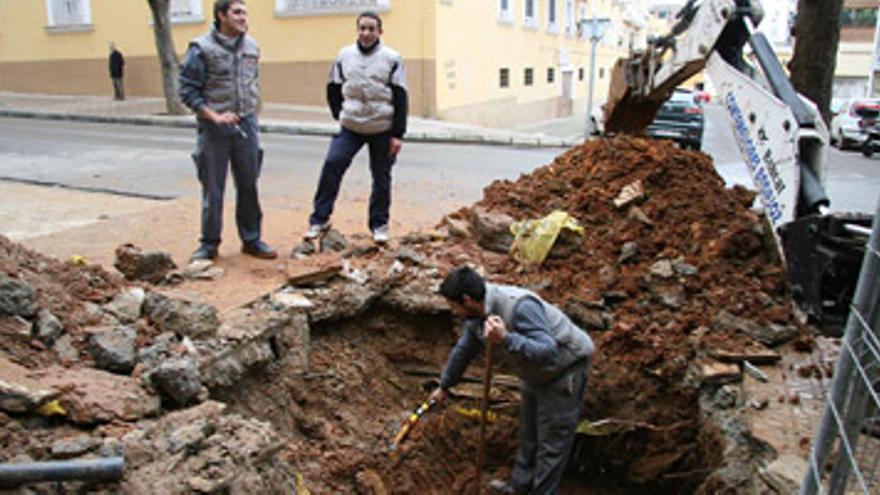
[{"x": 535, "y": 238}]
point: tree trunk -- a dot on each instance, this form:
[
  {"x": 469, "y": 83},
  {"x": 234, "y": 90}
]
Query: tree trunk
[
  {"x": 167, "y": 55},
  {"x": 817, "y": 34}
]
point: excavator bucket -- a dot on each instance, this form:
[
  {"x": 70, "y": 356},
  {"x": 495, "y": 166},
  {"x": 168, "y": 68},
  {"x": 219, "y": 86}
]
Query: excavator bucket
[{"x": 626, "y": 111}]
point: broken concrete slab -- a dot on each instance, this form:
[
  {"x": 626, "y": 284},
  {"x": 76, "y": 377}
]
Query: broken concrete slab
[
  {"x": 70, "y": 447},
  {"x": 717, "y": 373},
  {"x": 339, "y": 301},
  {"x": 770, "y": 334},
  {"x": 784, "y": 475},
  {"x": 754, "y": 355},
  {"x": 312, "y": 270},
  {"x": 93, "y": 396},
  {"x": 17, "y": 297},
  {"x": 203, "y": 449},
  {"x": 48, "y": 327},
  {"x": 493, "y": 230},
  {"x": 181, "y": 317},
  {"x": 127, "y": 305},
  {"x": 19, "y": 393},
  {"x": 251, "y": 338},
  {"x": 150, "y": 266},
  {"x": 178, "y": 381},
  {"x": 114, "y": 349},
  {"x": 417, "y": 295}
]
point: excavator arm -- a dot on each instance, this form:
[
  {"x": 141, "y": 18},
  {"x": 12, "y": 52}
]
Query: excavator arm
[{"x": 780, "y": 134}]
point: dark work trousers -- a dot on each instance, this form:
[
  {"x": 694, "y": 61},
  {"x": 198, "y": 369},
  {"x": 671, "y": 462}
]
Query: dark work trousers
[
  {"x": 547, "y": 426},
  {"x": 217, "y": 147},
  {"x": 343, "y": 147},
  {"x": 118, "y": 89}
]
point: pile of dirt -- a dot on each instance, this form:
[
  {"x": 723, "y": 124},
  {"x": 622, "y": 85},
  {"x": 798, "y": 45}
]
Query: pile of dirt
[{"x": 700, "y": 276}]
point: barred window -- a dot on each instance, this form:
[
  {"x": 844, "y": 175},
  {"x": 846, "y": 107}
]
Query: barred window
[
  {"x": 529, "y": 76},
  {"x": 504, "y": 78}
]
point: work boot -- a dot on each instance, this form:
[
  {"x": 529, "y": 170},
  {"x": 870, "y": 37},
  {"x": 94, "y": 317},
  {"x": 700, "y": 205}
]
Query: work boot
[
  {"x": 316, "y": 230},
  {"x": 380, "y": 234},
  {"x": 204, "y": 252},
  {"x": 259, "y": 249}
]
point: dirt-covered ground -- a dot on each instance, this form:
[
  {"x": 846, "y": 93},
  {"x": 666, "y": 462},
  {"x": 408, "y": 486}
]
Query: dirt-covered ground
[{"x": 680, "y": 276}]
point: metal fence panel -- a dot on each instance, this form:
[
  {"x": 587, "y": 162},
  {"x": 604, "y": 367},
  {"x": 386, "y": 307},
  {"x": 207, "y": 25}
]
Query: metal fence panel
[{"x": 846, "y": 452}]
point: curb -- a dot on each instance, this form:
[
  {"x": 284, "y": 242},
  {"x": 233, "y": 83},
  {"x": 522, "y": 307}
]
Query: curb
[{"x": 295, "y": 129}]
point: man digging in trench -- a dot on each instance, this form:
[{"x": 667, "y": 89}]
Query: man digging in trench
[{"x": 537, "y": 342}]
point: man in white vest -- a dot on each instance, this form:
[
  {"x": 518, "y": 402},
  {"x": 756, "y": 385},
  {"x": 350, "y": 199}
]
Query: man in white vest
[
  {"x": 367, "y": 95},
  {"x": 537, "y": 342}
]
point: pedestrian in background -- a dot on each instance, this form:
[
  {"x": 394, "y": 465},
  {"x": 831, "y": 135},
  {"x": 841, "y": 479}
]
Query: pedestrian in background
[
  {"x": 219, "y": 82},
  {"x": 367, "y": 95},
  {"x": 537, "y": 342},
  {"x": 117, "y": 66}
]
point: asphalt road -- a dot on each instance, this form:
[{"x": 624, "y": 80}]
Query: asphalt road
[
  {"x": 852, "y": 184},
  {"x": 155, "y": 162}
]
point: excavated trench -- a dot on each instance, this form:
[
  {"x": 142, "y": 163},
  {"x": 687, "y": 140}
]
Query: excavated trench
[
  {"x": 367, "y": 373},
  {"x": 672, "y": 277}
]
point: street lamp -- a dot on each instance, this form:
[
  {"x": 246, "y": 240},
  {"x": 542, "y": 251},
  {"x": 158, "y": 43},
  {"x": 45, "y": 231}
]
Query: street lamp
[{"x": 594, "y": 28}]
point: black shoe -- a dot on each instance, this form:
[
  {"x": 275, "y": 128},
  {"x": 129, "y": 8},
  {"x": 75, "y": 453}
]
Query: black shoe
[
  {"x": 259, "y": 249},
  {"x": 204, "y": 252}
]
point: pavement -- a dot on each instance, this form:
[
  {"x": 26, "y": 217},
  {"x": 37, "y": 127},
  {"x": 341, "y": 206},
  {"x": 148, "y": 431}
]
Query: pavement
[{"x": 281, "y": 118}]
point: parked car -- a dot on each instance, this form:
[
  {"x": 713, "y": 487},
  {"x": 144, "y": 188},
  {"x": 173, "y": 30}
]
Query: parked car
[
  {"x": 851, "y": 116},
  {"x": 679, "y": 119}
]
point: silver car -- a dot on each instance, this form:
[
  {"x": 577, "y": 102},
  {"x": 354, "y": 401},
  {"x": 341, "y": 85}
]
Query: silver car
[{"x": 851, "y": 116}]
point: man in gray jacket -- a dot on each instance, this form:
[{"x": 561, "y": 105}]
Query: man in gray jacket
[
  {"x": 219, "y": 82},
  {"x": 367, "y": 94},
  {"x": 537, "y": 342}
]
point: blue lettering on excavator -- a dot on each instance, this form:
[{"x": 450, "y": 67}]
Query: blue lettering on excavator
[{"x": 756, "y": 166}]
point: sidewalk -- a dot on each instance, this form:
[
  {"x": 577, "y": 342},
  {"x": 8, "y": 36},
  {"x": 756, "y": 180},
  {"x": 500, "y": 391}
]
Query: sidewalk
[{"x": 278, "y": 118}]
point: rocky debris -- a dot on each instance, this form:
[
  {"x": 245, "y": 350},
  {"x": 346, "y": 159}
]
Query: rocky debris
[
  {"x": 588, "y": 316},
  {"x": 492, "y": 230},
  {"x": 784, "y": 475},
  {"x": 771, "y": 334},
  {"x": 333, "y": 241},
  {"x": 408, "y": 255},
  {"x": 202, "y": 270},
  {"x": 91, "y": 396},
  {"x": 178, "y": 381},
  {"x": 19, "y": 393},
  {"x": 630, "y": 193},
  {"x": 65, "y": 349},
  {"x": 150, "y": 266},
  {"x": 69, "y": 447},
  {"x": 151, "y": 356},
  {"x": 628, "y": 252},
  {"x": 250, "y": 339},
  {"x": 315, "y": 270},
  {"x": 287, "y": 299},
  {"x": 717, "y": 373},
  {"x": 114, "y": 349},
  {"x": 181, "y": 317},
  {"x": 17, "y": 297},
  {"x": 341, "y": 301},
  {"x": 127, "y": 306},
  {"x": 48, "y": 327},
  {"x": 204, "y": 450}
]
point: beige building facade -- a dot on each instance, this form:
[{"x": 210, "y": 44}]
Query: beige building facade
[{"x": 490, "y": 62}]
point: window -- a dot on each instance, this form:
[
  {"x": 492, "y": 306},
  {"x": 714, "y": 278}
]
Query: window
[
  {"x": 186, "y": 11},
  {"x": 65, "y": 15},
  {"x": 551, "y": 74},
  {"x": 505, "y": 14},
  {"x": 530, "y": 19},
  {"x": 569, "y": 17},
  {"x": 580, "y": 74},
  {"x": 552, "y": 27},
  {"x": 302, "y": 8},
  {"x": 529, "y": 76},
  {"x": 504, "y": 78},
  {"x": 601, "y": 72}
]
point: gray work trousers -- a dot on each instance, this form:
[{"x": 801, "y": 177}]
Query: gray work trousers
[
  {"x": 547, "y": 426},
  {"x": 217, "y": 147}
]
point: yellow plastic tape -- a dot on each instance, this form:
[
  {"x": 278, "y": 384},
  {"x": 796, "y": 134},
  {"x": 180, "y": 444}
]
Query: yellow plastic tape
[
  {"x": 535, "y": 238},
  {"x": 475, "y": 414},
  {"x": 51, "y": 408}
]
